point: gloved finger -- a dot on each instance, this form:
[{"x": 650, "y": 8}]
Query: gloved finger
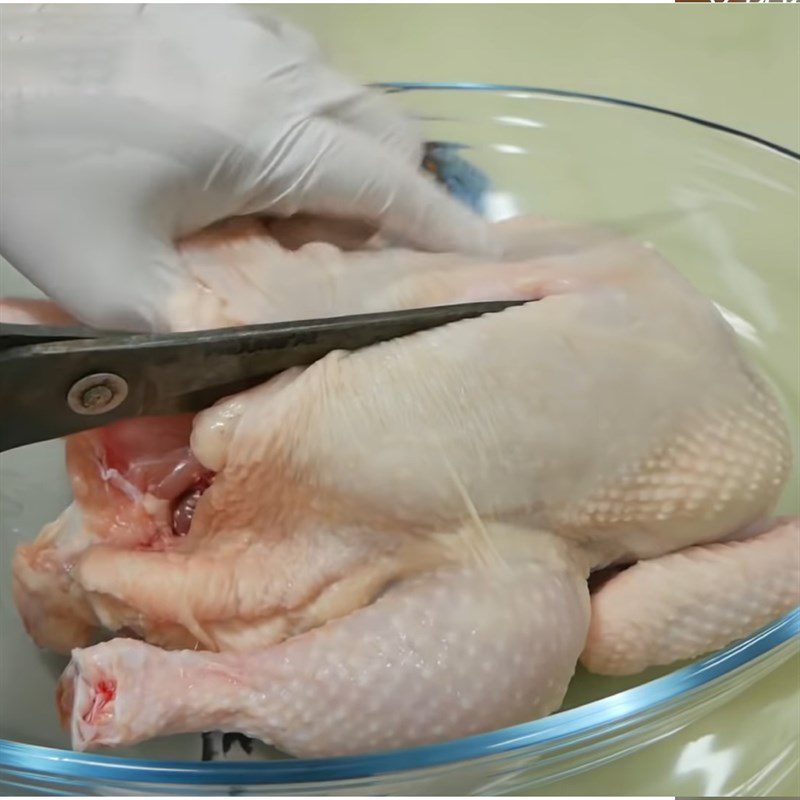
[
  {"x": 327, "y": 93},
  {"x": 298, "y": 39},
  {"x": 374, "y": 114},
  {"x": 323, "y": 167}
]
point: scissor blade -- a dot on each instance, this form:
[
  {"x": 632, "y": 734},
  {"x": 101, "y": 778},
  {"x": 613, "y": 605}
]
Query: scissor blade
[
  {"x": 177, "y": 373},
  {"x": 15, "y": 335}
]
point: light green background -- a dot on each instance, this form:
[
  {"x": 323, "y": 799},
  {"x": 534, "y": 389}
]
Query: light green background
[
  {"x": 737, "y": 65},
  {"x": 734, "y": 64}
]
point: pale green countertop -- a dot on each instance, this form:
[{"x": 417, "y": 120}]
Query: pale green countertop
[{"x": 737, "y": 65}]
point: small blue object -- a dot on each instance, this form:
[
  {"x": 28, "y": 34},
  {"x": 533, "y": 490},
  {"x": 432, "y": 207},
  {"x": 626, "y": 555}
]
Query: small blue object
[{"x": 464, "y": 181}]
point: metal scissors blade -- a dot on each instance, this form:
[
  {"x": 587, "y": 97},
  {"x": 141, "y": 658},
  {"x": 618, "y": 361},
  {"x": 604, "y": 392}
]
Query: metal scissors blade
[{"x": 59, "y": 381}]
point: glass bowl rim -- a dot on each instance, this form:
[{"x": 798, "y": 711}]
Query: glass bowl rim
[
  {"x": 407, "y": 86},
  {"x": 582, "y": 721}
]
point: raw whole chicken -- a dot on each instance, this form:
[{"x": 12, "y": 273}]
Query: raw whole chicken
[{"x": 392, "y": 546}]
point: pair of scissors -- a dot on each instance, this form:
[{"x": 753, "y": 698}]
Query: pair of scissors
[{"x": 59, "y": 381}]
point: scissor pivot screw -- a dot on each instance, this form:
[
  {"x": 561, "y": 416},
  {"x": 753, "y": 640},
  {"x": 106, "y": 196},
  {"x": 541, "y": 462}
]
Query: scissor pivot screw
[{"x": 97, "y": 394}]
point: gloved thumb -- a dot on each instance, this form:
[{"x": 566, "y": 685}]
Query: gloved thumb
[{"x": 92, "y": 255}]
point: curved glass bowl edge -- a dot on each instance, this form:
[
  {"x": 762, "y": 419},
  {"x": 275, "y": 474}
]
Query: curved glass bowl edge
[
  {"x": 400, "y": 86},
  {"x": 561, "y": 727}
]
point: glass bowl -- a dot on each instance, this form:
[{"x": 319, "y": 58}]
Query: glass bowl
[{"x": 723, "y": 207}]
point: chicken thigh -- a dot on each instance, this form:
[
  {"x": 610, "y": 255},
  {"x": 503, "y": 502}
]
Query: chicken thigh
[{"x": 392, "y": 546}]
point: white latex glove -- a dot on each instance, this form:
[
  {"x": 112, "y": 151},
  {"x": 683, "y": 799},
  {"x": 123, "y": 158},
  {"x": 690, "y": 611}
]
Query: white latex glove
[{"x": 125, "y": 128}]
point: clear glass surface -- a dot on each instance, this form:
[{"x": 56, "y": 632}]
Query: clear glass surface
[{"x": 723, "y": 207}]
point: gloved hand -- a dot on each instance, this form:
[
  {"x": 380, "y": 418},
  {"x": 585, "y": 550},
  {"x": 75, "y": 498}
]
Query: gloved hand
[{"x": 125, "y": 129}]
